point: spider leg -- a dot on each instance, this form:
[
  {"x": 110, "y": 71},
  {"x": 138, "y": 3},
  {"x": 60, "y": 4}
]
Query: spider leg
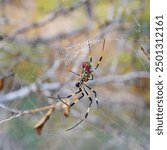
[
  {"x": 70, "y": 105},
  {"x": 90, "y": 54},
  {"x": 77, "y": 99},
  {"x": 95, "y": 94},
  {"x": 71, "y": 95},
  {"x": 100, "y": 59},
  {"x": 87, "y": 112},
  {"x": 75, "y": 125},
  {"x": 74, "y": 73},
  {"x": 90, "y": 99},
  {"x": 62, "y": 100},
  {"x": 91, "y": 76}
]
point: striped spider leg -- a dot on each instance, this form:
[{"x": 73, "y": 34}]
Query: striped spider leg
[{"x": 81, "y": 86}]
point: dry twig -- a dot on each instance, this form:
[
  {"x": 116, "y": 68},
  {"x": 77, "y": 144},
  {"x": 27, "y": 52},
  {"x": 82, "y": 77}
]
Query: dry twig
[{"x": 145, "y": 53}]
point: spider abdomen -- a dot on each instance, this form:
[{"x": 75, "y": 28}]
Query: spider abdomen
[{"x": 86, "y": 67}]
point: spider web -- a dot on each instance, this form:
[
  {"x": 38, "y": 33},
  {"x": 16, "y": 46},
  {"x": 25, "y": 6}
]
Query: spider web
[
  {"x": 129, "y": 131},
  {"x": 122, "y": 120}
]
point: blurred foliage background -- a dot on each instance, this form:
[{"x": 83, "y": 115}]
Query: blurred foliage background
[{"x": 42, "y": 39}]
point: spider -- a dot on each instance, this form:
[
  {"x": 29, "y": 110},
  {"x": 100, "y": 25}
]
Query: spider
[{"x": 85, "y": 76}]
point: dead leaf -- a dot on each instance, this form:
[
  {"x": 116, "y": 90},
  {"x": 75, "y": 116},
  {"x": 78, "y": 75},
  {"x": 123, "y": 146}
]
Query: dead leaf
[
  {"x": 1, "y": 84},
  {"x": 39, "y": 126}
]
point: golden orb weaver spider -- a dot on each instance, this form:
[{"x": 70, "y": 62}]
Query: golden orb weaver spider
[{"x": 84, "y": 77}]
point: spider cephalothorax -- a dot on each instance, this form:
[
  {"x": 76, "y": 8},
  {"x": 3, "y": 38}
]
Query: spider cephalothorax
[{"x": 85, "y": 76}]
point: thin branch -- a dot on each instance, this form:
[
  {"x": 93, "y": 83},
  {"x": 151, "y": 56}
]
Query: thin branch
[
  {"x": 40, "y": 124},
  {"x": 122, "y": 78},
  {"x": 34, "y": 87},
  {"x": 62, "y": 35},
  {"x": 52, "y": 16},
  {"x": 6, "y": 75},
  {"x": 11, "y": 110},
  {"x": 12, "y": 117}
]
